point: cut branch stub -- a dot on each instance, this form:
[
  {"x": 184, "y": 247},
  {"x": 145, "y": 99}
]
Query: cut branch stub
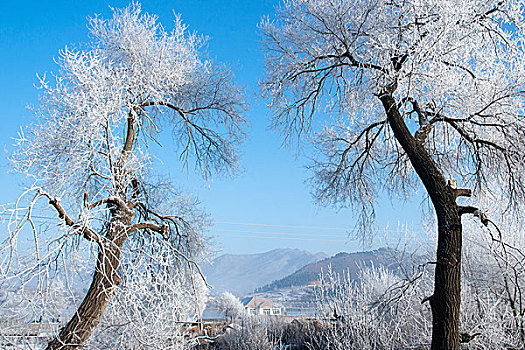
[{"x": 462, "y": 192}]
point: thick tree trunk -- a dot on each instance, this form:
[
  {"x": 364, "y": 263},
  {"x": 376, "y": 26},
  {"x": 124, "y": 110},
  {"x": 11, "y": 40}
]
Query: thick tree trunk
[
  {"x": 445, "y": 302},
  {"x": 105, "y": 280}
]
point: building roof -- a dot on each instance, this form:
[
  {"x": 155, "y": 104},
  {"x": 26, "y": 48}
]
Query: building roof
[{"x": 257, "y": 302}]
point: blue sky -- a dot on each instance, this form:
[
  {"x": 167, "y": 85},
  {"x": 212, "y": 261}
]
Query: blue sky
[{"x": 268, "y": 204}]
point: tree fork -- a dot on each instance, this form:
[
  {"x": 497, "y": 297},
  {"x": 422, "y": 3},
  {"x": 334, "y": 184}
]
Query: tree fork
[{"x": 445, "y": 302}]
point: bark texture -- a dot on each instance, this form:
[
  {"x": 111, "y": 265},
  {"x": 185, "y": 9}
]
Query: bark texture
[
  {"x": 105, "y": 280},
  {"x": 445, "y": 302}
]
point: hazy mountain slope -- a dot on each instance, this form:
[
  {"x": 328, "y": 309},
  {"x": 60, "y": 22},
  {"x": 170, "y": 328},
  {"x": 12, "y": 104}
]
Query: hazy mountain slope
[
  {"x": 347, "y": 262},
  {"x": 241, "y": 274}
]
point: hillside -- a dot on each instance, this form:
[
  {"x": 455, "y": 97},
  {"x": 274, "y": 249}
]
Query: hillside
[
  {"x": 347, "y": 262},
  {"x": 241, "y": 274}
]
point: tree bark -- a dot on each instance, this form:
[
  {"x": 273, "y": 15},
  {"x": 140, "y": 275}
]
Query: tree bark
[
  {"x": 105, "y": 280},
  {"x": 445, "y": 302}
]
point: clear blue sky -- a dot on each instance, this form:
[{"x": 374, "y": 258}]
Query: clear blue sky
[{"x": 268, "y": 205}]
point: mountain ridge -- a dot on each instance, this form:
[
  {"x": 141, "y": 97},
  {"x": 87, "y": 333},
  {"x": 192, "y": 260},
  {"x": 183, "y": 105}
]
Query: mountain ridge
[
  {"x": 343, "y": 262},
  {"x": 243, "y": 273}
]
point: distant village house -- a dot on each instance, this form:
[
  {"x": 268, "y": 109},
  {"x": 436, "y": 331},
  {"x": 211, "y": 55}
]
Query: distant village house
[{"x": 261, "y": 306}]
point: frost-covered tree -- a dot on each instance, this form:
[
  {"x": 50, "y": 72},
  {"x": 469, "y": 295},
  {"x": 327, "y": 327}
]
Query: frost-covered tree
[
  {"x": 229, "y": 305},
  {"x": 393, "y": 91},
  {"x": 88, "y": 157}
]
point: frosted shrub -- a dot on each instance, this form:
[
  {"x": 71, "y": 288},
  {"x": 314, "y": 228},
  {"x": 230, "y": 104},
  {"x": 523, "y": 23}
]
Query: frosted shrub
[
  {"x": 494, "y": 274},
  {"x": 383, "y": 311},
  {"x": 254, "y": 333},
  {"x": 377, "y": 312},
  {"x": 153, "y": 307}
]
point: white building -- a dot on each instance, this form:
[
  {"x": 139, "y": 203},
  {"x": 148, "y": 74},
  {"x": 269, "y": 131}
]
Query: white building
[{"x": 261, "y": 306}]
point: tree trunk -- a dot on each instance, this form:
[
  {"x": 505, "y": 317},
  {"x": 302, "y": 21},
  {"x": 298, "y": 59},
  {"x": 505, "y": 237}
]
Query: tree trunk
[
  {"x": 105, "y": 280},
  {"x": 445, "y": 303}
]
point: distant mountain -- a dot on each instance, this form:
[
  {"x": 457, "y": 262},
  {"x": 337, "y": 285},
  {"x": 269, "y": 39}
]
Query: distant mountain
[
  {"x": 348, "y": 262},
  {"x": 241, "y": 274}
]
